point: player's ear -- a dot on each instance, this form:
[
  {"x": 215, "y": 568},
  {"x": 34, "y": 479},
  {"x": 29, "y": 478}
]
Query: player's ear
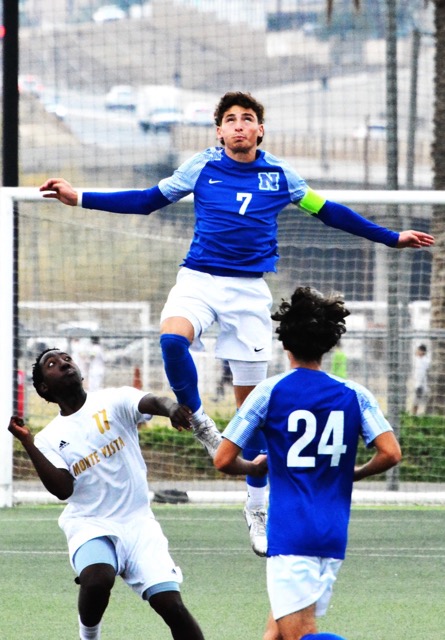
[
  {"x": 42, "y": 388},
  {"x": 219, "y": 136}
]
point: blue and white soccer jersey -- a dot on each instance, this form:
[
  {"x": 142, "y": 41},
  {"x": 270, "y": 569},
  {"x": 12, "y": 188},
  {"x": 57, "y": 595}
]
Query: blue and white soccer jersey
[
  {"x": 236, "y": 226},
  {"x": 99, "y": 446},
  {"x": 312, "y": 422},
  {"x": 236, "y": 209}
]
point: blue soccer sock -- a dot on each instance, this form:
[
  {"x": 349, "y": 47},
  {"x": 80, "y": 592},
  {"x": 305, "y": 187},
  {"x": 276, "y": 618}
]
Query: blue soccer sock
[
  {"x": 256, "y": 487},
  {"x": 322, "y": 636},
  {"x": 180, "y": 370},
  {"x": 257, "y": 444}
]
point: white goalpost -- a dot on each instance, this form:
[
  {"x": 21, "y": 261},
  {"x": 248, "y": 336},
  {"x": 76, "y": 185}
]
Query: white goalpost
[
  {"x": 6, "y": 342},
  {"x": 68, "y": 275}
]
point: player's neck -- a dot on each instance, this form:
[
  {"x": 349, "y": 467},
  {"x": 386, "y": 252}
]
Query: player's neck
[
  {"x": 242, "y": 155},
  {"x": 297, "y": 363},
  {"x": 314, "y": 366},
  {"x": 73, "y": 403}
]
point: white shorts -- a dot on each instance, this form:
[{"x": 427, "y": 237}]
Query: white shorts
[
  {"x": 241, "y": 307},
  {"x": 296, "y": 582},
  {"x": 141, "y": 548}
]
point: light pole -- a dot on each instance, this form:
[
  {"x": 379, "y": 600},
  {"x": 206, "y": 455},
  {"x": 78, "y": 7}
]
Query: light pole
[{"x": 324, "y": 113}]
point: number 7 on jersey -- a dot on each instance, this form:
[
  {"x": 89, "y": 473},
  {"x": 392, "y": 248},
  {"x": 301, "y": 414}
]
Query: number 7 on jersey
[{"x": 245, "y": 198}]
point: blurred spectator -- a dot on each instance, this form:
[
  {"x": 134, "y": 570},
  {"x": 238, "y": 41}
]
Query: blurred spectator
[
  {"x": 80, "y": 355},
  {"x": 96, "y": 369},
  {"x": 339, "y": 362},
  {"x": 225, "y": 379},
  {"x": 420, "y": 374}
]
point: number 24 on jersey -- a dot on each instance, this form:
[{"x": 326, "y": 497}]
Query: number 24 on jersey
[{"x": 331, "y": 440}]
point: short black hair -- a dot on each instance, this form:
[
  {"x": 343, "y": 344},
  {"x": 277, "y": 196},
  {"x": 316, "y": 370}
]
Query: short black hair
[
  {"x": 239, "y": 98},
  {"x": 311, "y": 324},
  {"x": 37, "y": 374}
]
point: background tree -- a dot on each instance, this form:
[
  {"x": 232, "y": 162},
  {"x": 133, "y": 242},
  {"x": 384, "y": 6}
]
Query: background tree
[{"x": 437, "y": 373}]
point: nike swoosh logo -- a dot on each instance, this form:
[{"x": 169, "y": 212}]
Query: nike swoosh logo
[
  {"x": 214, "y": 181},
  {"x": 256, "y": 350}
]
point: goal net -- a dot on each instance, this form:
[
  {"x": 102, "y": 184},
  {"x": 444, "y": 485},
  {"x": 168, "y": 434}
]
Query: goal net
[
  {"x": 94, "y": 283},
  {"x": 120, "y": 101}
]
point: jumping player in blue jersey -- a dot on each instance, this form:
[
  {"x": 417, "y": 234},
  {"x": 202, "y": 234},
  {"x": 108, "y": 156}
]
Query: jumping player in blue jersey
[
  {"x": 312, "y": 422},
  {"x": 239, "y": 190}
]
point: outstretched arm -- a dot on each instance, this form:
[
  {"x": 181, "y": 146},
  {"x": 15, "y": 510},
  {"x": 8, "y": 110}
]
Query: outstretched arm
[
  {"x": 141, "y": 201},
  {"x": 387, "y": 455},
  {"x": 162, "y": 406},
  {"x": 228, "y": 460},
  {"x": 59, "y": 482},
  {"x": 340, "y": 217}
]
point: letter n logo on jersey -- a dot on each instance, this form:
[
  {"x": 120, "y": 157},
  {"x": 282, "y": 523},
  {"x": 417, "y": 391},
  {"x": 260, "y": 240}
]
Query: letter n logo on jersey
[{"x": 269, "y": 181}]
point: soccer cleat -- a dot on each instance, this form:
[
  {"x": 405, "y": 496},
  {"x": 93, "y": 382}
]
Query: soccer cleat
[
  {"x": 256, "y": 521},
  {"x": 207, "y": 434}
]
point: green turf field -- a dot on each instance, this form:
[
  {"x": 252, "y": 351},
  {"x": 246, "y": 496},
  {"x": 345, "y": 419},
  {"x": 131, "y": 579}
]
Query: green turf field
[{"x": 390, "y": 587}]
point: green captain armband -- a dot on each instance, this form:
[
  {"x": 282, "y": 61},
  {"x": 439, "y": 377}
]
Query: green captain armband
[{"x": 311, "y": 202}]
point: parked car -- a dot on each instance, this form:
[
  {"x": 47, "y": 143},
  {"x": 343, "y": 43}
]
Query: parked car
[
  {"x": 199, "y": 114},
  {"x": 108, "y": 13},
  {"x": 121, "y": 96},
  {"x": 163, "y": 119},
  {"x": 155, "y": 102}
]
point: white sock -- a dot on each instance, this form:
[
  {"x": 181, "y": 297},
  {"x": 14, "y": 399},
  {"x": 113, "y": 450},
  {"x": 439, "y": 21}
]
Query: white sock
[
  {"x": 89, "y": 633},
  {"x": 256, "y": 498},
  {"x": 198, "y": 417}
]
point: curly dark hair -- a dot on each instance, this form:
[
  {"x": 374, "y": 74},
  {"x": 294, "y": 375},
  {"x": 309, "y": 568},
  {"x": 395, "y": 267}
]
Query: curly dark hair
[
  {"x": 310, "y": 324},
  {"x": 238, "y": 98},
  {"x": 37, "y": 374}
]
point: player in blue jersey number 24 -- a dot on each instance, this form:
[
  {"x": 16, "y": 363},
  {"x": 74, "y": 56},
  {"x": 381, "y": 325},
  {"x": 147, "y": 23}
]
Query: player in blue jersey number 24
[
  {"x": 312, "y": 422},
  {"x": 239, "y": 191}
]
